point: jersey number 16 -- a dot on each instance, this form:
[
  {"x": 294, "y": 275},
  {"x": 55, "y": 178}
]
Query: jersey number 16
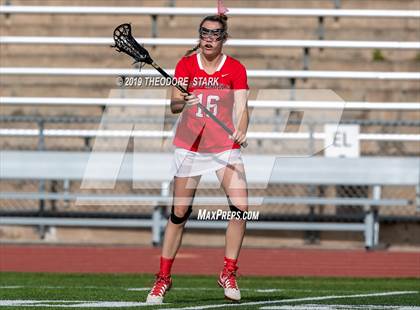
[{"x": 211, "y": 104}]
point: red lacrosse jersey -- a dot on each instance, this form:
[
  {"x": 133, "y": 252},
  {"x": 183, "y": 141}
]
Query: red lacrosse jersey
[{"x": 196, "y": 131}]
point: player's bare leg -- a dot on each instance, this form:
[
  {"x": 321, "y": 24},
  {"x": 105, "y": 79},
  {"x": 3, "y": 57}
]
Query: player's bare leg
[
  {"x": 233, "y": 181},
  {"x": 184, "y": 190},
  {"x": 234, "y": 184}
]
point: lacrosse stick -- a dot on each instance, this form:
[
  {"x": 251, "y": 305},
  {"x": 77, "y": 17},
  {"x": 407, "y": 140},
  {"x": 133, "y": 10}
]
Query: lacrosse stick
[{"x": 124, "y": 42}]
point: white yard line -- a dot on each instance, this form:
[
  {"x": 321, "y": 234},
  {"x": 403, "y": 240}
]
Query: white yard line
[
  {"x": 291, "y": 300},
  {"x": 347, "y": 296},
  {"x": 344, "y": 307},
  {"x": 72, "y": 303},
  {"x": 189, "y": 289},
  {"x": 124, "y": 304}
]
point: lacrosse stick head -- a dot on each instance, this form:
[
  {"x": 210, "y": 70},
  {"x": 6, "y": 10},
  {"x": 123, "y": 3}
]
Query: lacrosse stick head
[{"x": 124, "y": 42}]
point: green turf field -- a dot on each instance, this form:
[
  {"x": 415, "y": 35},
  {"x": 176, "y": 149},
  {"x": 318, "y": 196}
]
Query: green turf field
[{"x": 87, "y": 291}]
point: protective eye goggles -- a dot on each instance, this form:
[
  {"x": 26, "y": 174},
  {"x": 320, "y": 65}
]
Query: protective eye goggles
[{"x": 217, "y": 34}]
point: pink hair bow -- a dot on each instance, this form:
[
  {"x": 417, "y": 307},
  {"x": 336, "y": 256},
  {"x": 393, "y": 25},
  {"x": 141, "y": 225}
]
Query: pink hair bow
[{"x": 221, "y": 9}]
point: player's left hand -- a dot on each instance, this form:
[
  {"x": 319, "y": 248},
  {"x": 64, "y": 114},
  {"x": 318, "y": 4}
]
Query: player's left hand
[{"x": 238, "y": 136}]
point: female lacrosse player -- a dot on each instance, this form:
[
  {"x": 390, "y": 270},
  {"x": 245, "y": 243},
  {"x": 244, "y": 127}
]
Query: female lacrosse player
[{"x": 219, "y": 82}]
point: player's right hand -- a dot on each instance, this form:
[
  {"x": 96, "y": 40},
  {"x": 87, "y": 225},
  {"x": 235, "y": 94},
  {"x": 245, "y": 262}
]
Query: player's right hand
[{"x": 190, "y": 100}]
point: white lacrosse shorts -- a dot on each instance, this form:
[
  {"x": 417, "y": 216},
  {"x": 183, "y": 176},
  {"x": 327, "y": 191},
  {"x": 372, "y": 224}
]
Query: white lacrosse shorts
[{"x": 188, "y": 163}]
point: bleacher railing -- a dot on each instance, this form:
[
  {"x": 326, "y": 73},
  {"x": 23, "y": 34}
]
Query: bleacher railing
[
  {"x": 154, "y": 12},
  {"x": 290, "y": 74},
  {"x": 306, "y": 45},
  {"x": 274, "y": 104}
]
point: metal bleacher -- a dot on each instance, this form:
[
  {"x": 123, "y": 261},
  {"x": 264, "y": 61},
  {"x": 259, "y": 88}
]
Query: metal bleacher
[
  {"x": 306, "y": 45},
  {"x": 290, "y": 74},
  {"x": 72, "y": 166}
]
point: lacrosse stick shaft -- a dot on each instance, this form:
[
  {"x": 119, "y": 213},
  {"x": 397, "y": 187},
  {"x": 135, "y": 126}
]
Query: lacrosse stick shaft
[{"x": 205, "y": 110}]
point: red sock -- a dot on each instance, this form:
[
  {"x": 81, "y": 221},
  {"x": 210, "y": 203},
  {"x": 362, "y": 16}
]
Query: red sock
[
  {"x": 230, "y": 264},
  {"x": 166, "y": 265}
]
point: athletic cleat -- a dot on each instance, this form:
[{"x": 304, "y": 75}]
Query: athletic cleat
[
  {"x": 159, "y": 289},
  {"x": 227, "y": 280}
]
